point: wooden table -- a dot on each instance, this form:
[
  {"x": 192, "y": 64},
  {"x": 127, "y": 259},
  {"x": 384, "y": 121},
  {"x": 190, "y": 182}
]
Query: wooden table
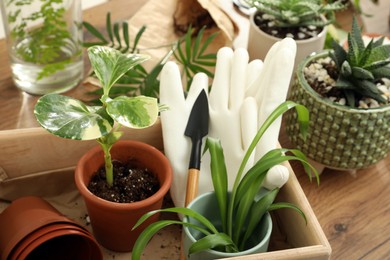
[{"x": 353, "y": 208}]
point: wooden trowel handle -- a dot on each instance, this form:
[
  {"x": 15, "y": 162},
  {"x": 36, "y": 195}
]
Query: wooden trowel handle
[{"x": 192, "y": 185}]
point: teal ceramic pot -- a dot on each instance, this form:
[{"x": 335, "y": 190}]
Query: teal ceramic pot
[
  {"x": 207, "y": 205},
  {"x": 339, "y": 137}
]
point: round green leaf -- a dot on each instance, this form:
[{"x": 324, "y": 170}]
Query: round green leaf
[
  {"x": 134, "y": 112},
  {"x": 70, "y": 118}
]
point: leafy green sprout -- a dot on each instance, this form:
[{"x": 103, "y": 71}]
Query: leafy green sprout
[
  {"x": 240, "y": 212},
  {"x": 70, "y": 118}
]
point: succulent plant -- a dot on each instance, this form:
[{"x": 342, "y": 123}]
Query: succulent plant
[
  {"x": 295, "y": 13},
  {"x": 361, "y": 66}
]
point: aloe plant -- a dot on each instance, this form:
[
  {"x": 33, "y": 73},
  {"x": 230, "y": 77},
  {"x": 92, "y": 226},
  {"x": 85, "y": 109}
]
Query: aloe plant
[
  {"x": 296, "y": 13},
  {"x": 70, "y": 118},
  {"x": 361, "y": 66},
  {"x": 240, "y": 212}
]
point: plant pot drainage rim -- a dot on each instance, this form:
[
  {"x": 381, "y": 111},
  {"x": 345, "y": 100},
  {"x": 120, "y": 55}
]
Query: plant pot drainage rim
[{"x": 164, "y": 184}]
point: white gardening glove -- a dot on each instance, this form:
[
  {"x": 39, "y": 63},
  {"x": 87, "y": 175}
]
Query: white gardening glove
[
  {"x": 233, "y": 117},
  {"x": 270, "y": 89},
  {"x": 233, "y": 120}
]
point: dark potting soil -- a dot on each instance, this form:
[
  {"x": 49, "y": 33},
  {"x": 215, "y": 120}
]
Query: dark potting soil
[
  {"x": 266, "y": 24},
  {"x": 132, "y": 182}
]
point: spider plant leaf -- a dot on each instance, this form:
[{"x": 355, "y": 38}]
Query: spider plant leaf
[
  {"x": 110, "y": 64},
  {"x": 186, "y": 212},
  {"x": 258, "y": 210},
  {"x": 149, "y": 232},
  {"x": 212, "y": 241},
  {"x": 70, "y": 118},
  {"x": 90, "y": 28},
  {"x": 244, "y": 204},
  {"x": 283, "y": 205},
  {"x": 309, "y": 169},
  {"x": 303, "y": 120},
  {"x": 134, "y": 112},
  {"x": 269, "y": 160},
  {"x": 219, "y": 177}
]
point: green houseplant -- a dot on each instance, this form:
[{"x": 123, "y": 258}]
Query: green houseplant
[
  {"x": 240, "y": 213},
  {"x": 70, "y": 118},
  {"x": 346, "y": 92},
  {"x": 304, "y": 21}
]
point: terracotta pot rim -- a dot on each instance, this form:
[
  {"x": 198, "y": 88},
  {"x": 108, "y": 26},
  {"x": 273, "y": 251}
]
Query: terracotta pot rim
[
  {"x": 257, "y": 29},
  {"x": 54, "y": 232},
  {"x": 31, "y": 227},
  {"x": 320, "y": 99},
  {"x": 164, "y": 187}
]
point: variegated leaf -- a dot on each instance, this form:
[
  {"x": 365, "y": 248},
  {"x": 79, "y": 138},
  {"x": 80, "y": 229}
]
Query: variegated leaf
[
  {"x": 110, "y": 64},
  {"x": 133, "y": 112},
  {"x": 70, "y": 118}
]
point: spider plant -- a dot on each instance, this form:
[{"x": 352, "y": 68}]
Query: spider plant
[{"x": 240, "y": 212}]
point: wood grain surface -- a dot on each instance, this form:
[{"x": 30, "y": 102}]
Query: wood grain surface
[{"x": 353, "y": 208}]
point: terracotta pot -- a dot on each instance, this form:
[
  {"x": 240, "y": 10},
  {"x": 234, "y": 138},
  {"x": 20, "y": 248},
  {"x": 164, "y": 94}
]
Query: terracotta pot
[
  {"x": 339, "y": 137},
  {"x": 207, "y": 205},
  {"x": 31, "y": 224},
  {"x": 112, "y": 222},
  {"x": 260, "y": 42}
]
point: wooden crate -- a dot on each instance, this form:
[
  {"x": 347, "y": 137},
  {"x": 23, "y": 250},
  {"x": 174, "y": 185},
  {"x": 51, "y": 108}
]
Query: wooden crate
[{"x": 32, "y": 161}]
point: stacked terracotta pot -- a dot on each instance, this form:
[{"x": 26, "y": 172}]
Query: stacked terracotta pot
[{"x": 31, "y": 227}]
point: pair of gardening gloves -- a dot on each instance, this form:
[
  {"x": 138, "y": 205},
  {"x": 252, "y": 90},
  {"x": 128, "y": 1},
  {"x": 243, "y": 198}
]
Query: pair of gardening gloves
[{"x": 242, "y": 96}]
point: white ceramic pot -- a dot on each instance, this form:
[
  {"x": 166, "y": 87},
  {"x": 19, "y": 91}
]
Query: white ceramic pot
[{"x": 260, "y": 42}]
